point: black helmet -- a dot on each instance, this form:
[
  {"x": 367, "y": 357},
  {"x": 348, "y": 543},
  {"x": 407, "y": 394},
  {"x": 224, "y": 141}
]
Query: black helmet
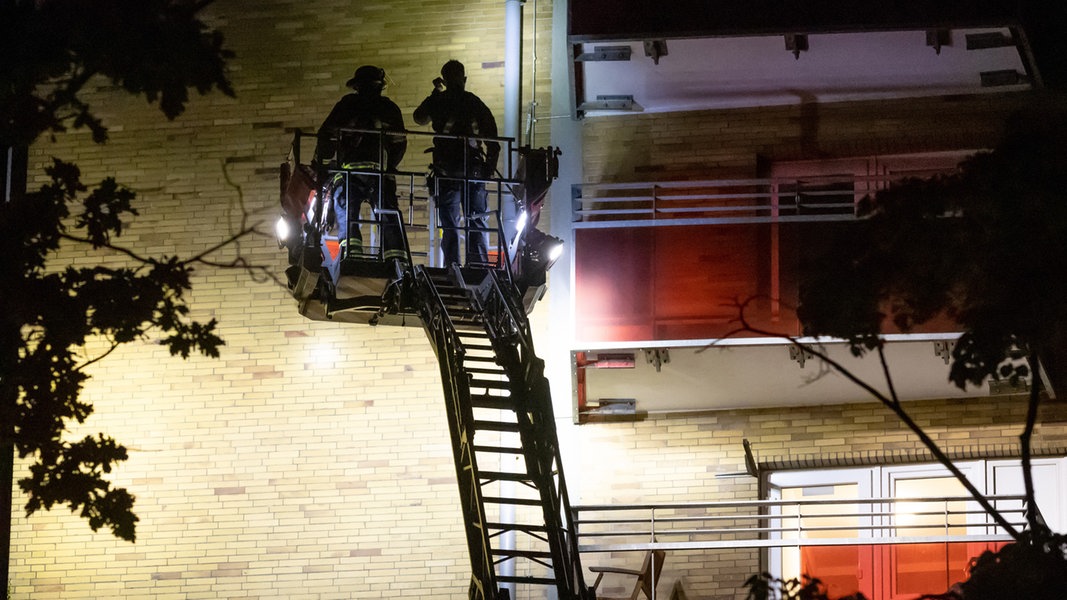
[
  {"x": 453, "y": 73},
  {"x": 367, "y": 77}
]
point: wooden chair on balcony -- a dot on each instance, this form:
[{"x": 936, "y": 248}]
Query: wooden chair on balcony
[{"x": 646, "y": 577}]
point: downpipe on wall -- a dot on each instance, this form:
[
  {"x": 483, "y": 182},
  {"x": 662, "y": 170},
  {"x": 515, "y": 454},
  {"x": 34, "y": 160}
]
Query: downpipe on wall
[{"x": 509, "y": 216}]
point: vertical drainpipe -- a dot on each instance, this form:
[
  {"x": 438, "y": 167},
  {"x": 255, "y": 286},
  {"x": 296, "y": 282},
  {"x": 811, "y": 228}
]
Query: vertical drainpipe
[
  {"x": 512, "y": 104},
  {"x": 512, "y": 71},
  {"x": 512, "y": 117}
]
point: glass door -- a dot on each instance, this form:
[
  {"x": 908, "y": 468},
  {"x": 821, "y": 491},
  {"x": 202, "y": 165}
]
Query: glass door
[
  {"x": 924, "y": 568},
  {"x": 819, "y": 505}
]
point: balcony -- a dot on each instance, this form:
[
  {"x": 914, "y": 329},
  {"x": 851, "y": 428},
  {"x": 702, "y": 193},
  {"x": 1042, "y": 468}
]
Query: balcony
[
  {"x": 792, "y": 523},
  {"x": 660, "y": 270}
]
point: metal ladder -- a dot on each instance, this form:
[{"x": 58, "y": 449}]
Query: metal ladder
[{"x": 499, "y": 408}]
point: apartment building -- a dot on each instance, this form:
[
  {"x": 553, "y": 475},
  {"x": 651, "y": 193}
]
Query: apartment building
[
  {"x": 703, "y": 149},
  {"x": 718, "y": 148}
]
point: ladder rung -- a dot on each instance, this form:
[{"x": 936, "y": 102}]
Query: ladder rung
[
  {"x": 457, "y": 309},
  {"x": 483, "y": 371},
  {"x": 519, "y": 579},
  {"x": 478, "y": 334},
  {"x": 502, "y": 476},
  {"x": 495, "y": 426},
  {"x": 516, "y": 527},
  {"x": 497, "y": 402},
  {"x": 494, "y": 384},
  {"x": 497, "y": 449},
  {"x": 476, "y": 358},
  {"x": 511, "y": 553},
  {"x": 515, "y": 501}
]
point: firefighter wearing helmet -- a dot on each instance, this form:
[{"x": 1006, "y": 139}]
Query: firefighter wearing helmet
[{"x": 353, "y": 138}]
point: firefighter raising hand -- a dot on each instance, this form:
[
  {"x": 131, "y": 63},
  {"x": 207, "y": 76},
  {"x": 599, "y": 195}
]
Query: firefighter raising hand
[{"x": 461, "y": 203}]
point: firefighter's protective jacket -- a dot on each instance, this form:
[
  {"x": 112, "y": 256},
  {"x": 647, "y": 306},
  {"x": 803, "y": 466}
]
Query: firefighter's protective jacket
[{"x": 367, "y": 112}]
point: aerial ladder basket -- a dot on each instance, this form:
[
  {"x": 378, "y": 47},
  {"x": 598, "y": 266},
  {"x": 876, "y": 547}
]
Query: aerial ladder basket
[{"x": 517, "y": 517}]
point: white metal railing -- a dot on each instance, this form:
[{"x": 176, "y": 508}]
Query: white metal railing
[
  {"x": 790, "y": 523},
  {"x": 722, "y": 201}
]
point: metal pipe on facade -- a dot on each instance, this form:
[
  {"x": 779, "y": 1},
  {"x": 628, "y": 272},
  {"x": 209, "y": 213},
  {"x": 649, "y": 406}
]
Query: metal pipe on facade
[
  {"x": 512, "y": 118},
  {"x": 509, "y": 211},
  {"x": 512, "y": 72},
  {"x": 531, "y": 117}
]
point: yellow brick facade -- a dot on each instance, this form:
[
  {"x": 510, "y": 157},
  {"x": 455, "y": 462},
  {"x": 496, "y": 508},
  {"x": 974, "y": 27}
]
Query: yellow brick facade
[
  {"x": 312, "y": 459},
  {"x": 735, "y": 142}
]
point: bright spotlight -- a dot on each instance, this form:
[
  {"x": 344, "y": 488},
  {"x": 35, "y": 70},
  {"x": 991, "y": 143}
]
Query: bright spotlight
[
  {"x": 555, "y": 250},
  {"x": 538, "y": 255},
  {"x": 544, "y": 249},
  {"x": 520, "y": 223},
  {"x": 282, "y": 229}
]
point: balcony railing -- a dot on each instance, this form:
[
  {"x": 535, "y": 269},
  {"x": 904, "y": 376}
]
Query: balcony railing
[
  {"x": 790, "y": 523},
  {"x": 664, "y": 260},
  {"x": 722, "y": 201}
]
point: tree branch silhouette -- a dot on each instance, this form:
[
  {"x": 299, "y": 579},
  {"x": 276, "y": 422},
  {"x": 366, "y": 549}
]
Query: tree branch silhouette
[{"x": 891, "y": 401}]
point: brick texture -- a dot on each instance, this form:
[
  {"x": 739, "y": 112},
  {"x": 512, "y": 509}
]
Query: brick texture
[
  {"x": 733, "y": 143},
  {"x": 312, "y": 460}
]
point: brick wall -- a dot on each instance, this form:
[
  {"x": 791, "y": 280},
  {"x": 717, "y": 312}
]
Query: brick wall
[
  {"x": 674, "y": 458},
  {"x": 312, "y": 459},
  {"x": 731, "y": 143}
]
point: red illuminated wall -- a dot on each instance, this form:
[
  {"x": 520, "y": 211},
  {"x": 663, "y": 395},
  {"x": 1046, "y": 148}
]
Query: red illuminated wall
[
  {"x": 664, "y": 283},
  {"x": 684, "y": 282},
  {"x": 891, "y": 572}
]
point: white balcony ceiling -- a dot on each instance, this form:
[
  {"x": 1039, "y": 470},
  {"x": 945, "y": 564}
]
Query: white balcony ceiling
[
  {"x": 758, "y": 70},
  {"x": 739, "y": 375}
]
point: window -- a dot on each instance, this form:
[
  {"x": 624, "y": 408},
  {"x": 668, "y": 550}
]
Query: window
[{"x": 896, "y": 532}]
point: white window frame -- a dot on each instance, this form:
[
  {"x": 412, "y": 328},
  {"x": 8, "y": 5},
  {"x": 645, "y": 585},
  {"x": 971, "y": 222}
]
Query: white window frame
[{"x": 997, "y": 477}]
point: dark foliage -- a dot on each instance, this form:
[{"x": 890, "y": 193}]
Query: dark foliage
[
  {"x": 985, "y": 247},
  {"x": 47, "y": 317},
  {"x": 50, "y": 49},
  {"x": 765, "y": 586},
  {"x": 50, "y": 314},
  {"x": 1034, "y": 568}
]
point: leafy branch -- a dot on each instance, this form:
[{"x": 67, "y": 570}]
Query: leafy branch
[
  {"x": 42, "y": 380},
  {"x": 891, "y": 401}
]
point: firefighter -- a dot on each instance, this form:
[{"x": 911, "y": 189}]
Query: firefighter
[
  {"x": 450, "y": 109},
  {"x": 375, "y": 154}
]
